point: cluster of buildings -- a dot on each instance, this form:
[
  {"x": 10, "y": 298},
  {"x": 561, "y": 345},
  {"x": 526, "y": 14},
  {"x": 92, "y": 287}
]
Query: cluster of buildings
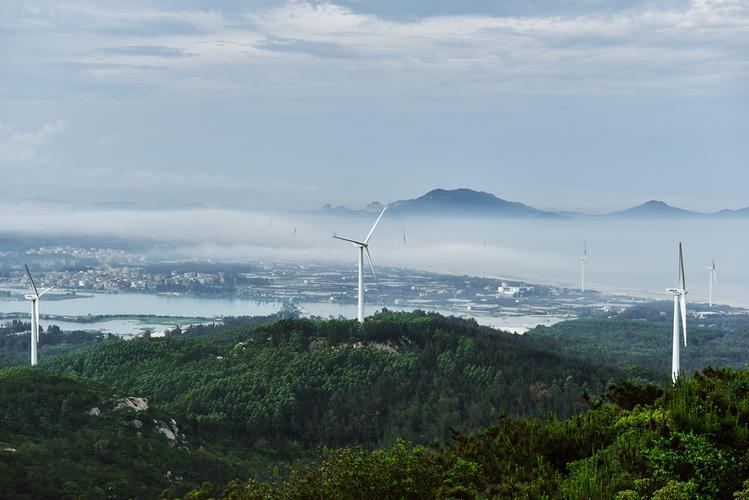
[
  {"x": 55, "y": 256},
  {"x": 126, "y": 278}
]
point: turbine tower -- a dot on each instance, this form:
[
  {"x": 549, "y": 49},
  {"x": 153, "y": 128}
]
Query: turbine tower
[
  {"x": 34, "y": 297},
  {"x": 405, "y": 244},
  {"x": 584, "y": 264},
  {"x": 680, "y": 313},
  {"x": 363, "y": 247},
  {"x": 712, "y": 279}
]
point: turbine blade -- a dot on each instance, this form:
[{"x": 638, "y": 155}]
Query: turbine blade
[
  {"x": 715, "y": 277},
  {"x": 682, "y": 279},
  {"x": 371, "y": 265},
  {"x": 366, "y": 240},
  {"x": 350, "y": 241},
  {"x": 45, "y": 291},
  {"x": 683, "y": 304},
  {"x": 33, "y": 285}
]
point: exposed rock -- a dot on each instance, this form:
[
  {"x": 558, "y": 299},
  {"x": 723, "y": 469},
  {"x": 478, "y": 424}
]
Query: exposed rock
[
  {"x": 173, "y": 478},
  {"x": 95, "y": 411},
  {"x": 136, "y": 423},
  {"x": 170, "y": 431},
  {"x": 137, "y": 404},
  {"x": 380, "y": 346}
]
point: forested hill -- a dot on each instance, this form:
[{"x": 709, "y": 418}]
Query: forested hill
[
  {"x": 691, "y": 442},
  {"x": 410, "y": 375},
  {"x": 251, "y": 398},
  {"x": 642, "y": 348}
]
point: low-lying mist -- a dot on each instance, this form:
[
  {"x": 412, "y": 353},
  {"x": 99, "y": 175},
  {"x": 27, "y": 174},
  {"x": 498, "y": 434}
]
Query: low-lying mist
[{"x": 626, "y": 255}]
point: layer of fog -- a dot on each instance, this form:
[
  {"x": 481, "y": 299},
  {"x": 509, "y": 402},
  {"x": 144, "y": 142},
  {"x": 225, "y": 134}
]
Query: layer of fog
[{"x": 625, "y": 255}]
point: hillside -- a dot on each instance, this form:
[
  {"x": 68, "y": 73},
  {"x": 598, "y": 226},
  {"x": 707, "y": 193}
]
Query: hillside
[
  {"x": 643, "y": 348},
  {"x": 690, "y": 442},
  {"x": 404, "y": 375},
  {"x": 63, "y": 437},
  {"x": 263, "y": 397}
]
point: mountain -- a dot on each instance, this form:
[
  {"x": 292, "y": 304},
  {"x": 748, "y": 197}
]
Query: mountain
[
  {"x": 742, "y": 212},
  {"x": 452, "y": 202},
  {"x": 466, "y": 202},
  {"x": 655, "y": 209}
]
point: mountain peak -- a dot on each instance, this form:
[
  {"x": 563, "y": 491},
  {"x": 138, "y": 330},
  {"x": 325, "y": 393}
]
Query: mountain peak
[
  {"x": 656, "y": 204},
  {"x": 465, "y": 201},
  {"x": 655, "y": 208}
]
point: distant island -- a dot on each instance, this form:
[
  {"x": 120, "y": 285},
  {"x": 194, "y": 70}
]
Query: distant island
[{"x": 464, "y": 201}]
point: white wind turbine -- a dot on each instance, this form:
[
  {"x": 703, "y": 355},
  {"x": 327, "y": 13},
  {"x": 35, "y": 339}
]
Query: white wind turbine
[
  {"x": 405, "y": 244},
  {"x": 363, "y": 247},
  {"x": 712, "y": 279},
  {"x": 34, "y": 298},
  {"x": 584, "y": 264},
  {"x": 680, "y": 313}
]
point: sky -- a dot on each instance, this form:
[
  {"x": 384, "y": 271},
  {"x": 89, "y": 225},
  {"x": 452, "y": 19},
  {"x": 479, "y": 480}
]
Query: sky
[{"x": 585, "y": 105}]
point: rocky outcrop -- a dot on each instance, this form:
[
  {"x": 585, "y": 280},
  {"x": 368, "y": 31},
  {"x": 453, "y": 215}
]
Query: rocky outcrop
[{"x": 137, "y": 404}]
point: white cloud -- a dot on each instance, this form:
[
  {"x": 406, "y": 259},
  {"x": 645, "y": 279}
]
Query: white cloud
[
  {"x": 681, "y": 49},
  {"x": 25, "y": 148},
  {"x": 304, "y": 90}
]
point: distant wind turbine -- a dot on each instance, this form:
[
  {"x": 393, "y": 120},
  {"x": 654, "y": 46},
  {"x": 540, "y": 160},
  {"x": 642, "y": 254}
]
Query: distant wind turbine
[
  {"x": 680, "y": 313},
  {"x": 483, "y": 262},
  {"x": 363, "y": 247},
  {"x": 34, "y": 297},
  {"x": 405, "y": 244},
  {"x": 712, "y": 279},
  {"x": 584, "y": 263}
]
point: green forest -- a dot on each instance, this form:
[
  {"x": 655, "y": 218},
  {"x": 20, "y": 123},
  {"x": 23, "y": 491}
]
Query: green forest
[{"x": 411, "y": 405}]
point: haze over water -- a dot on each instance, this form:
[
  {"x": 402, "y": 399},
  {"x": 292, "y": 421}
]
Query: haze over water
[{"x": 625, "y": 255}]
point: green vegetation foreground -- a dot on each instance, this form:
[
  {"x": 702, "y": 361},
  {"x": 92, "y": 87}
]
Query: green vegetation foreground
[
  {"x": 255, "y": 402},
  {"x": 690, "y": 442}
]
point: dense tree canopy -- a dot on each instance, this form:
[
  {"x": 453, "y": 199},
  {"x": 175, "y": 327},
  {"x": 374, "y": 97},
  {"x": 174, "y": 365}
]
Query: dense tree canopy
[{"x": 410, "y": 405}]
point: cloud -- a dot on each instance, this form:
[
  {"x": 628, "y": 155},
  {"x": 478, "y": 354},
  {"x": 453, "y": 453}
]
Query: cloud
[
  {"x": 319, "y": 49},
  {"x": 25, "y": 148},
  {"x": 453, "y": 91},
  {"x": 589, "y": 47},
  {"x": 147, "y": 50}
]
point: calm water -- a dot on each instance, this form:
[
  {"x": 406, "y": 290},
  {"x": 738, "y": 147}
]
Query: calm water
[
  {"x": 191, "y": 307},
  {"x": 145, "y": 304},
  {"x": 138, "y": 304}
]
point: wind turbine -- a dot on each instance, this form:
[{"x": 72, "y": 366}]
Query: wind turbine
[
  {"x": 483, "y": 262},
  {"x": 712, "y": 279},
  {"x": 405, "y": 244},
  {"x": 680, "y": 313},
  {"x": 34, "y": 298},
  {"x": 584, "y": 264},
  {"x": 363, "y": 247}
]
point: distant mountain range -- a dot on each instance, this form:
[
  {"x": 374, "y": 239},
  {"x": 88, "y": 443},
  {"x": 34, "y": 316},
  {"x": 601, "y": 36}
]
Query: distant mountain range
[{"x": 478, "y": 203}]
